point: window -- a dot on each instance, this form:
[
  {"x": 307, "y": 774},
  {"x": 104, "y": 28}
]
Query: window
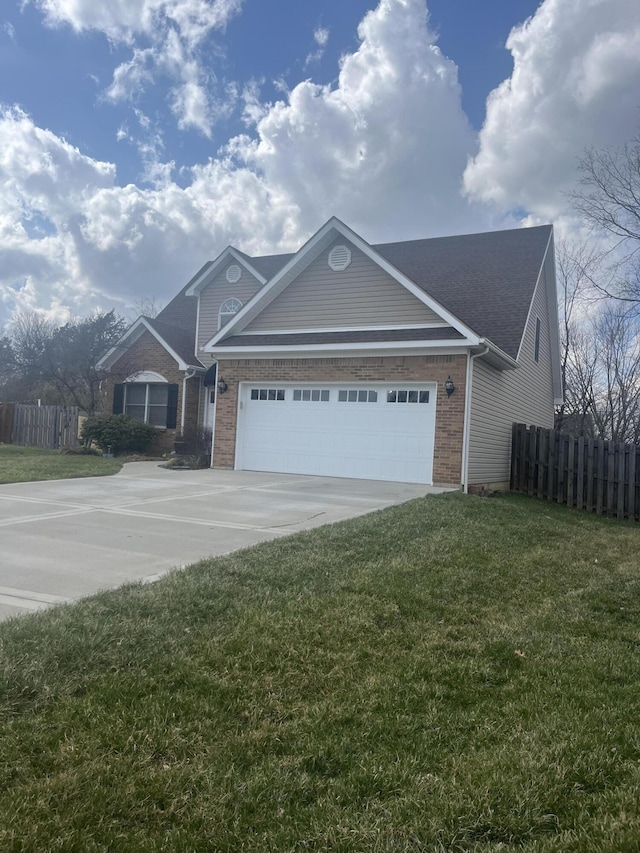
[
  {"x": 536, "y": 353},
  {"x": 147, "y": 403},
  {"x": 276, "y": 394},
  {"x": 311, "y": 395},
  {"x": 357, "y": 395},
  {"x": 228, "y": 309},
  {"x": 407, "y": 395}
]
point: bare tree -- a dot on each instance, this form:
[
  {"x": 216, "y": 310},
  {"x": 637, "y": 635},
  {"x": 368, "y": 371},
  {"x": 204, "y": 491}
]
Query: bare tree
[
  {"x": 60, "y": 364},
  {"x": 609, "y": 199},
  {"x": 147, "y": 306}
]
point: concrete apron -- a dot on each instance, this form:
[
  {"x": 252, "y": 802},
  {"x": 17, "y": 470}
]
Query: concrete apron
[{"x": 64, "y": 539}]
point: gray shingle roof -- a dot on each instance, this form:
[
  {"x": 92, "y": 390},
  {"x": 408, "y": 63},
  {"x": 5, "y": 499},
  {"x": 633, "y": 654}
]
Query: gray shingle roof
[
  {"x": 181, "y": 341},
  {"x": 486, "y": 280},
  {"x": 349, "y": 337}
]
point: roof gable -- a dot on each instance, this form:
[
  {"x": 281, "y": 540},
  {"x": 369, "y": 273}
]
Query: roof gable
[
  {"x": 227, "y": 257},
  {"x": 178, "y": 342},
  {"x": 298, "y": 262},
  {"x": 361, "y": 295}
]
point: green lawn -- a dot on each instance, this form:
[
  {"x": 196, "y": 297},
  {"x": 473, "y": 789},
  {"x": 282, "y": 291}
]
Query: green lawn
[
  {"x": 453, "y": 674},
  {"x": 23, "y": 464}
]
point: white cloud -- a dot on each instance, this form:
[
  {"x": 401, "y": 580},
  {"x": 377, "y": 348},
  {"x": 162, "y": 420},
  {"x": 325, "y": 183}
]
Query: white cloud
[
  {"x": 575, "y": 83},
  {"x": 124, "y": 20},
  {"x": 384, "y": 150},
  {"x": 176, "y": 30},
  {"x": 321, "y": 38}
]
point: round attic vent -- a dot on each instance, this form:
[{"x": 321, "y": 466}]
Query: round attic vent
[
  {"x": 339, "y": 258},
  {"x": 233, "y": 273}
]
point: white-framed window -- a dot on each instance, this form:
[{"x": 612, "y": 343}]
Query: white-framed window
[
  {"x": 407, "y": 395},
  {"x": 228, "y": 309},
  {"x": 269, "y": 394},
  {"x": 147, "y": 402},
  {"x": 311, "y": 395},
  {"x": 357, "y": 395}
]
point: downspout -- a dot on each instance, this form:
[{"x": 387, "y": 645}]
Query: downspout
[
  {"x": 188, "y": 374},
  {"x": 215, "y": 412},
  {"x": 467, "y": 418}
]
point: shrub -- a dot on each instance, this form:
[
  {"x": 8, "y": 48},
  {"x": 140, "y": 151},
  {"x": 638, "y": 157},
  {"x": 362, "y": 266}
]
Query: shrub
[
  {"x": 195, "y": 447},
  {"x": 120, "y": 432}
]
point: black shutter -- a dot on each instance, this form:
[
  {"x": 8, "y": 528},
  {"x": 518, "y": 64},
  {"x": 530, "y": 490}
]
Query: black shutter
[
  {"x": 172, "y": 406},
  {"x": 118, "y": 399}
]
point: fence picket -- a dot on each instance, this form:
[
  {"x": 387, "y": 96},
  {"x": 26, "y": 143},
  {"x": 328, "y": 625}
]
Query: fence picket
[
  {"x": 592, "y": 474},
  {"x": 51, "y": 427}
]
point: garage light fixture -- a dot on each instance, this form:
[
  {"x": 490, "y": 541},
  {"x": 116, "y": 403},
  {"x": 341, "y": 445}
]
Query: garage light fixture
[
  {"x": 449, "y": 387},
  {"x": 222, "y": 386}
]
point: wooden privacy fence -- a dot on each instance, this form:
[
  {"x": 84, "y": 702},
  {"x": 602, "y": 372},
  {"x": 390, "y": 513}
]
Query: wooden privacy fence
[
  {"x": 53, "y": 427},
  {"x": 588, "y": 473},
  {"x": 6, "y": 422}
]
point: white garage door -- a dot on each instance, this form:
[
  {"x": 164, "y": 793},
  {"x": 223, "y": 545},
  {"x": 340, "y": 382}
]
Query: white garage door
[{"x": 372, "y": 431}]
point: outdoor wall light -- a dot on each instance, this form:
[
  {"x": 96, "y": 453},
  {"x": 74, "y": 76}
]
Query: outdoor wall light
[
  {"x": 449, "y": 387},
  {"x": 222, "y": 386}
]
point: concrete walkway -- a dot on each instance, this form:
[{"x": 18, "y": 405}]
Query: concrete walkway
[{"x": 64, "y": 539}]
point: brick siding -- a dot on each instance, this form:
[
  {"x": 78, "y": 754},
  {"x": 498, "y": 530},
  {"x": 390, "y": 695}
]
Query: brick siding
[
  {"x": 447, "y": 462},
  {"x": 147, "y": 354}
]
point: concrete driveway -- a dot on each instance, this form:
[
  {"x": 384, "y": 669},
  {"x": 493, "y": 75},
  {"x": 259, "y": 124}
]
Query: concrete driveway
[{"x": 63, "y": 539}]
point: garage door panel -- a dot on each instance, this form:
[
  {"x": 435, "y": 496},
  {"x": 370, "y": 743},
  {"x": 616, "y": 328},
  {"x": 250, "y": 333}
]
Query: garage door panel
[{"x": 355, "y": 433}]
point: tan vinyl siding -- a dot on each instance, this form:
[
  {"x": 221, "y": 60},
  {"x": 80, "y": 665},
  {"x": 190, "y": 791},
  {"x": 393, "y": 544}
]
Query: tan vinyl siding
[
  {"x": 215, "y": 293},
  {"x": 499, "y": 398},
  {"x": 360, "y": 296}
]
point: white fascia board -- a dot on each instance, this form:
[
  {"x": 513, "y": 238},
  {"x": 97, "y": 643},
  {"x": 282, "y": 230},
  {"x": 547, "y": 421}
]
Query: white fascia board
[
  {"x": 349, "y": 349},
  {"x": 334, "y": 353},
  {"x": 552, "y": 316},
  {"x": 497, "y": 355},
  {"x": 212, "y": 270},
  {"x": 304, "y": 256}
]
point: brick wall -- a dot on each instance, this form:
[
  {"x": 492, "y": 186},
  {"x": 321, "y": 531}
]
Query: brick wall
[
  {"x": 147, "y": 354},
  {"x": 447, "y": 463}
]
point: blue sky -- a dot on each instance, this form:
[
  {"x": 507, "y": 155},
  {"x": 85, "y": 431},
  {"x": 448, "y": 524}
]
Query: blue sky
[{"x": 137, "y": 139}]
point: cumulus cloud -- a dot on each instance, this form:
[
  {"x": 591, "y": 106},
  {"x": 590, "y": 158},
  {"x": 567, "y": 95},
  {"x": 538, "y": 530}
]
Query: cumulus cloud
[
  {"x": 384, "y": 149},
  {"x": 575, "y": 82},
  {"x": 124, "y": 20},
  {"x": 176, "y": 30}
]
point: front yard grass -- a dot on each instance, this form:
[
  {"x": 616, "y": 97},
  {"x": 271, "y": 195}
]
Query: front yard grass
[
  {"x": 24, "y": 464},
  {"x": 453, "y": 674}
]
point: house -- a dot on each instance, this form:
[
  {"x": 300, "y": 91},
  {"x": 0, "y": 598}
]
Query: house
[{"x": 404, "y": 361}]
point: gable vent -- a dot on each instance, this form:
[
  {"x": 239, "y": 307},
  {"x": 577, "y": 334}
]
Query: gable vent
[
  {"x": 233, "y": 273},
  {"x": 339, "y": 258}
]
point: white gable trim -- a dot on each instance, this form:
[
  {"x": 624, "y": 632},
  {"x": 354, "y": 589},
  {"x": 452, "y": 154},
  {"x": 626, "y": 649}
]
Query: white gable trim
[
  {"x": 303, "y": 257},
  {"x": 214, "y": 268},
  {"x": 135, "y": 331},
  {"x": 552, "y": 317},
  {"x": 344, "y": 350}
]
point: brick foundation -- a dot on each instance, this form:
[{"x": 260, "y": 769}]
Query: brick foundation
[{"x": 447, "y": 462}]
